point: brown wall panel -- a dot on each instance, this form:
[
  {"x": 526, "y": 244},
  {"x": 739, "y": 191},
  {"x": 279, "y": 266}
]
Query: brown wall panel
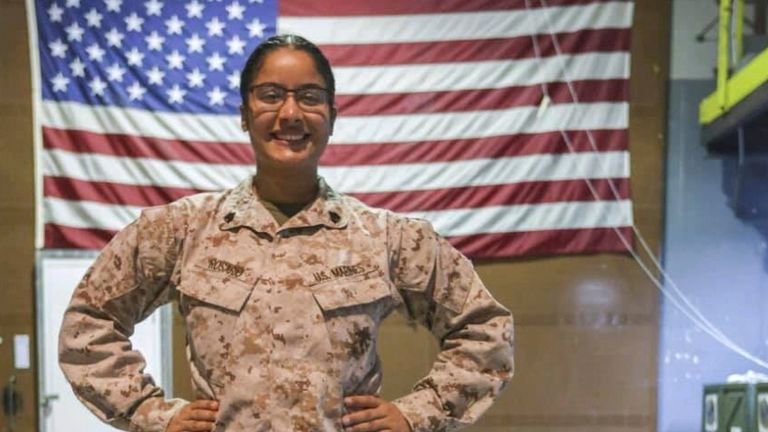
[{"x": 17, "y": 209}]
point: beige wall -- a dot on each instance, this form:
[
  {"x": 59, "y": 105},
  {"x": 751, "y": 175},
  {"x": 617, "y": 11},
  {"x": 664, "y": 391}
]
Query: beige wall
[{"x": 581, "y": 366}]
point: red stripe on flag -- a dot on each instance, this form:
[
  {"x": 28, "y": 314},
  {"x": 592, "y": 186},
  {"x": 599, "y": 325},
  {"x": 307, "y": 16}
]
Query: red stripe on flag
[
  {"x": 65, "y": 237},
  {"x": 616, "y": 90},
  {"x": 310, "y": 8},
  {"x": 145, "y": 147},
  {"x": 112, "y": 193},
  {"x": 465, "y": 149},
  {"x": 496, "y": 195},
  {"x": 584, "y": 41},
  {"x": 532, "y": 243},
  {"x": 478, "y": 246},
  {"x": 360, "y": 154}
]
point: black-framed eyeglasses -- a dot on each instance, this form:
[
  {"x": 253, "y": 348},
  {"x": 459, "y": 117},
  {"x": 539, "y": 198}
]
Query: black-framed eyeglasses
[{"x": 274, "y": 95}]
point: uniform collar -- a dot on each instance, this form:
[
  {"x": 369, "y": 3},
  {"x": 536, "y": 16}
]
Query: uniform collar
[{"x": 242, "y": 208}]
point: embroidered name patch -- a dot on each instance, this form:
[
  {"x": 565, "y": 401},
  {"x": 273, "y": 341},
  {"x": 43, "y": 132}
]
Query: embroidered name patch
[
  {"x": 222, "y": 266},
  {"x": 339, "y": 272}
]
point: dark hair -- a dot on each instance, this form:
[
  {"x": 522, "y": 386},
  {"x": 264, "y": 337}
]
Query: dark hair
[{"x": 256, "y": 60}]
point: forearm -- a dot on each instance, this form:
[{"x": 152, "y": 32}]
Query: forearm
[
  {"x": 472, "y": 368},
  {"x": 441, "y": 289},
  {"x": 107, "y": 375},
  {"x": 129, "y": 280}
]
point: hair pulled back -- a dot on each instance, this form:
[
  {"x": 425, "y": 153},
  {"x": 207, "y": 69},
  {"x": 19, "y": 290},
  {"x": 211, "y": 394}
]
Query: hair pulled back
[{"x": 256, "y": 61}]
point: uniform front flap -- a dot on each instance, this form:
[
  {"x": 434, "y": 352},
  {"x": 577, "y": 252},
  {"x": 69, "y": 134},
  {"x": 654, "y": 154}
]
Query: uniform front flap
[
  {"x": 352, "y": 293},
  {"x": 217, "y": 282}
]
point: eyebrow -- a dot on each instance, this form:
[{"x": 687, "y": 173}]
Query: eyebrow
[{"x": 303, "y": 86}]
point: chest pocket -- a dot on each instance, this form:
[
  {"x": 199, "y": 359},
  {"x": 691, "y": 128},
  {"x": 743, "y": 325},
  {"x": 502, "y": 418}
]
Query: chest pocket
[
  {"x": 352, "y": 297},
  {"x": 211, "y": 306},
  {"x": 353, "y": 312},
  {"x": 225, "y": 292}
]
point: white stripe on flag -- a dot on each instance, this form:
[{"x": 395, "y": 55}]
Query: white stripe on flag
[
  {"x": 142, "y": 171},
  {"x": 530, "y": 217},
  {"x": 353, "y": 179},
  {"x": 132, "y": 121},
  {"x": 480, "y": 75},
  {"x": 514, "y": 218},
  {"x": 456, "y": 26},
  {"x": 88, "y": 214},
  {"x": 349, "y": 129},
  {"x": 477, "y": 172},
  {"x": 479, "y": 124}
]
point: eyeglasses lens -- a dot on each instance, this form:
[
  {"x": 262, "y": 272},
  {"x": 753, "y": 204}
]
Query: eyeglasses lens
[{"x": 306, "y": 97}]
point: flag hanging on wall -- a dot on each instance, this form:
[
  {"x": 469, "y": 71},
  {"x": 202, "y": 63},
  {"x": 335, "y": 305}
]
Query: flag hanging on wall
[{"x": 483, "y": 116}]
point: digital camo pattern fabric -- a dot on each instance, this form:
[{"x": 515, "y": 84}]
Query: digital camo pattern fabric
[{"x": 282, "y": 321}]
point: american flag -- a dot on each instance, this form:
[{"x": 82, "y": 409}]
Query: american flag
[{"x": 483, "y": 116}]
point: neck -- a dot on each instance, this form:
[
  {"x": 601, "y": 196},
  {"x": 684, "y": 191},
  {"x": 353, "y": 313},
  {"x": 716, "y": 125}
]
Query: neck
[{"x": 286, "y": 189}]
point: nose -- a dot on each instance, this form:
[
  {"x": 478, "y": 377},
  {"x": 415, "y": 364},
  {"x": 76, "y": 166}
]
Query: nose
[{"x": 289, "y": 111}]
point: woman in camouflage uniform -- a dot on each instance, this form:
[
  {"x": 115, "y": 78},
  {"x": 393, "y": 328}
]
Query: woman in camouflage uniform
[{"x": 283, "y": 284}]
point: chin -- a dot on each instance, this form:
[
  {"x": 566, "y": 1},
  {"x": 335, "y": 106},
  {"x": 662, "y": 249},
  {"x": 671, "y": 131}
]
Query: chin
[{"x": 293, "y": 163}]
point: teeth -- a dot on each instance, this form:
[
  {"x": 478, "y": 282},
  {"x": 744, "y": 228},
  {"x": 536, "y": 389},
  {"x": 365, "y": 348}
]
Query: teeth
[{"x": 289, "y": 137}]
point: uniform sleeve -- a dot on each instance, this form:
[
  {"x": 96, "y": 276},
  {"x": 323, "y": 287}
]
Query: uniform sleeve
[
  {"x": 128, "y": 281},
  {"x": 441, "y": 290}
]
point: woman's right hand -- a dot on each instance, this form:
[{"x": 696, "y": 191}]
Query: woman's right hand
[{"x": 198, "y": 416}]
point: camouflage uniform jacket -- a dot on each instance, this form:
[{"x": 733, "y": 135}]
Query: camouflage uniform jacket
[{"x": 282, "y": 320}]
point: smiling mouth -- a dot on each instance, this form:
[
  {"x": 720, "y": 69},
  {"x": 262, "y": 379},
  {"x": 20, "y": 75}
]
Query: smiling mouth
[{"x": 292, "y": 138}]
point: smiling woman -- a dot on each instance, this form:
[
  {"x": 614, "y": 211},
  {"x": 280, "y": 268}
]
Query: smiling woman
[
  {"x": 283, "y": 285},
  {"x": 288, "y": 114}
]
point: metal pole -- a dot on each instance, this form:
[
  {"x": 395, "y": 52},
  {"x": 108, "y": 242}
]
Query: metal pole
[
  {"x": 722, "y": 53},
  {"x": 742, "y": 145},
  {"x": 761, "y": 7},
  {"x": 738, "y": 29}
]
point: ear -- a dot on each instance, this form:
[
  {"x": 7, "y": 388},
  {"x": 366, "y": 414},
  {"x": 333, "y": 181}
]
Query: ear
[{"x": 244, "y": 118}]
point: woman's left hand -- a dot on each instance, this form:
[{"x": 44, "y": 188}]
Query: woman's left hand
[{"x": 370, "y": 413}]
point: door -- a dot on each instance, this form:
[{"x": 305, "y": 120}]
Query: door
[{"x": 58, "y": 273}]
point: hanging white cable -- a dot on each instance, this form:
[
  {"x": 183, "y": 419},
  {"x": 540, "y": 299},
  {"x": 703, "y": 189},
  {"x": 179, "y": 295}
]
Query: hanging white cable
[
  {"x": 691, "y": 312},
  {"x": 707, "y": 326},
  {"x": 702, "y": 321},
  {"x": 611, "y": 184}
]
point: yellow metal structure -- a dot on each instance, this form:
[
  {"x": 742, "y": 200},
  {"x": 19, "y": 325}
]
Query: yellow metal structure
[
  {"x": 723, "y": 39},
  {"x": 732, "y": 90},
  {"x": 738, "y": 24}
]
